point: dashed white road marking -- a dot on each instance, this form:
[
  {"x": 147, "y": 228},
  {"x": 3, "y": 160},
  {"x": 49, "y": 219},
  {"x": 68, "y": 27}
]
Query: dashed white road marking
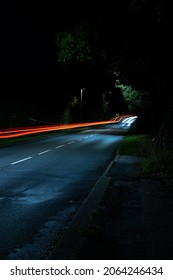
[
  {"x": 70, "y": 142},
  {"x": 60, "y": 146},
  {"x": 18, "y": 161},
  {"x": 44, "y": 152}
]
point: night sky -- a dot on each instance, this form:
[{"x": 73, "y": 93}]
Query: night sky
[
  {"x": 28, "y": 51},
  {"x": 28, "y": 48},
  {"x": 28, "y": 30}
]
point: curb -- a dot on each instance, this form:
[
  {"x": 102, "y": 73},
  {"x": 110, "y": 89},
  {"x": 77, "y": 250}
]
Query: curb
[{"x": 70, "y": 242}]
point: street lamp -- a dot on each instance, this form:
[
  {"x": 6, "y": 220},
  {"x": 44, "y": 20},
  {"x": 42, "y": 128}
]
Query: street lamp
[{"x": 81, "y": 96}]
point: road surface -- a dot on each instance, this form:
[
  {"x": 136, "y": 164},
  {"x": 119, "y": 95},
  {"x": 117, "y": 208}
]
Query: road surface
[{"x": 43, "y": 183}]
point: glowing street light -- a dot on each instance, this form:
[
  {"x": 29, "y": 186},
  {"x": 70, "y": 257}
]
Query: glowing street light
[{"x": 81, "y": 96}]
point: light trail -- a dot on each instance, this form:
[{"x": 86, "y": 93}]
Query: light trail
[{"x": 23, "y": 131}]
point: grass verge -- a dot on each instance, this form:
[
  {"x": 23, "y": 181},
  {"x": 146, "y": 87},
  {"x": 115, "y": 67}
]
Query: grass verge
[
  {"x": 157, "y": 162},
  {"x": 136, "y": 145}
]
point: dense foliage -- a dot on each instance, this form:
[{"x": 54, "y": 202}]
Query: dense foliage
[{"x": 132, "y": 40}]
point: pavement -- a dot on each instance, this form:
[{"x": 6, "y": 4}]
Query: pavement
[{"x": 126, "y": 216}]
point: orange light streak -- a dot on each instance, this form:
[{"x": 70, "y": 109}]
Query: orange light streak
[{"x": 16, "y": 132}]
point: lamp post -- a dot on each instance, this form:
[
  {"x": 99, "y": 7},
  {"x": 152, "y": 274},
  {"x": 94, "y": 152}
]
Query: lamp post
[{"x": 81, "y": 96}]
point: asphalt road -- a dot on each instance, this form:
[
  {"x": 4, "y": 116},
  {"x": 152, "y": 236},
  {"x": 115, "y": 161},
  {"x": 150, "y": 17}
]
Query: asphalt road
[{"x": 42, "y": 185}]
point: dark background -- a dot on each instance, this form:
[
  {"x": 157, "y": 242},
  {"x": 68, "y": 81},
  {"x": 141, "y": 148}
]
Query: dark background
[{"x": 30, "y": 77}]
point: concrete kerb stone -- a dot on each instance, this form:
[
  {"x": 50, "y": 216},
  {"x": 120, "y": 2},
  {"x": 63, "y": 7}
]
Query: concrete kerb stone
[
  {"x": 69, "y": 245},
  {"x": 70, "y": 242}
]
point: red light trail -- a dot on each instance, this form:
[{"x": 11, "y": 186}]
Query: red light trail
[{"x": 16, "y": 132}]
